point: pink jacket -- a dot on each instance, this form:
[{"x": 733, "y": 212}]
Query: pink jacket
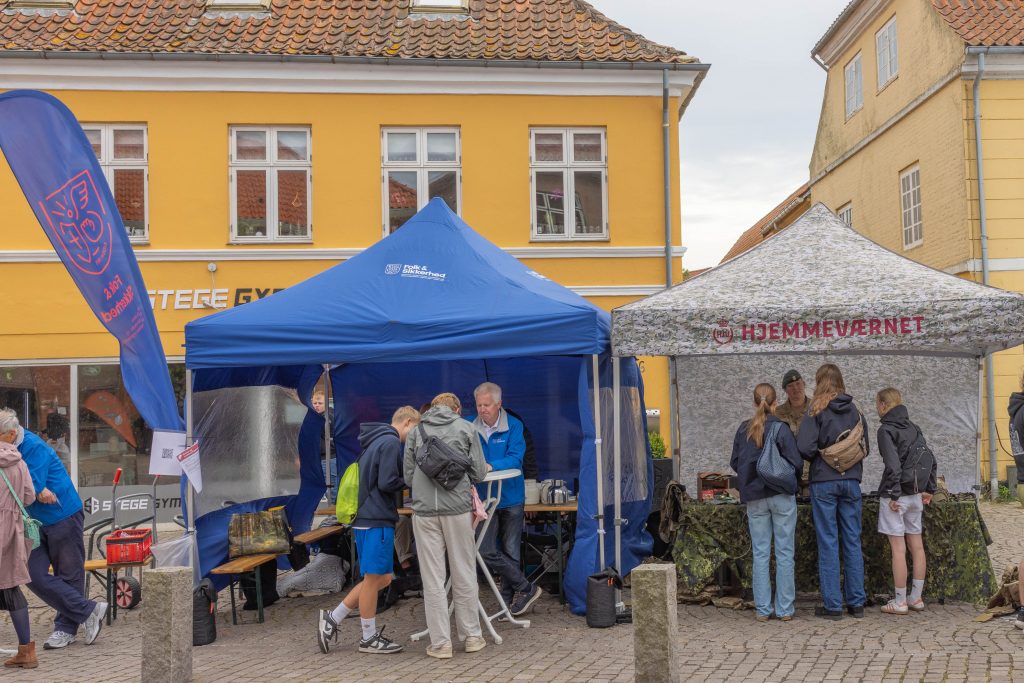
[{"x": 14, "y": 549}]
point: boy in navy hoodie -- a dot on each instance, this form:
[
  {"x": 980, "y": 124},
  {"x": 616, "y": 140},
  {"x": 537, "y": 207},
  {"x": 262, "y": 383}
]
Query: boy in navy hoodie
[{"x": 380, "y": 484}]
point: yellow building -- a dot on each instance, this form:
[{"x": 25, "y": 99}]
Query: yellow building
[
  {"x": 896, "y": 153},
  {"x": 253, "y": 143}
]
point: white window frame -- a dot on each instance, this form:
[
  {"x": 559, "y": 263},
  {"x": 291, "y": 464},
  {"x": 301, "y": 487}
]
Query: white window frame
[
  {"x": 567, "y": 167},
  {"x": 853, "y": 80},
  {"x": 271, "y": 165},
  {"x": 109, "y": 164},
  {"x": 439, "y": 5},
  {"x": 845, "y": 213},
  {"x": 888, "y": 62},
  {"x": 421, "y": 166},
  {"x": 911, "y": 220}
]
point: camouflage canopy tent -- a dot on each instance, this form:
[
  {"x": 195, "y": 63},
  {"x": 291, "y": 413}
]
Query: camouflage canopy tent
[{"x": 817, "y": 292}]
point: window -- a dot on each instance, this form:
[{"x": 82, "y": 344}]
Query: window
[
  {"x": 569, "y": 173},
  {"x": 854, "y": 86},
  {"x": 440, "y": 5},
  {"x": 845, "y": 214},
  {"x": 122, "y": 152},
  {"x": 910, "y": 203},
  {"x": 239, "y": 5},
  {"x": 887, "y": 52},
  {"x": 271, "y": 178},
  {"x": 419, "y": 163},
  {"x": 41, "y": 396}
]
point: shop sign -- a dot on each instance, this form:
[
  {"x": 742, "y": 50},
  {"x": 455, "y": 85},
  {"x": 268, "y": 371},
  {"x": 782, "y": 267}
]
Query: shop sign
[
  {"x": 191, "y": 299},
  {"x": 723, "y": 333},
  {"x": 98, "y": 503}
]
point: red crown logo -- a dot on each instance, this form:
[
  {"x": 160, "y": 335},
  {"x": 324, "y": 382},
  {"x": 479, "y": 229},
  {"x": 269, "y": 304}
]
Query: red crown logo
[{"x": 723, "y": 333}]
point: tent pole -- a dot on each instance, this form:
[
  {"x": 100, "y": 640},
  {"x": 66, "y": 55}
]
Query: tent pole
[
  {"x": 597, "y": 457},
  {"x": 617, "y": 455},
  {"x": 673, "y": 426},
  {"x": 328, "y": 395},
  {"x": 190, "y": 491}
]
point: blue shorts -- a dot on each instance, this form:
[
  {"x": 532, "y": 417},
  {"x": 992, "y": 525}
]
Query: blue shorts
[{"x": 376, "y": 550}]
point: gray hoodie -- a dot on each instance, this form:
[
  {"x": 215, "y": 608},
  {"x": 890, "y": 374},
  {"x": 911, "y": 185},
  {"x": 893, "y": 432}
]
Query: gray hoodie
[{"x": 428, "y": 498}]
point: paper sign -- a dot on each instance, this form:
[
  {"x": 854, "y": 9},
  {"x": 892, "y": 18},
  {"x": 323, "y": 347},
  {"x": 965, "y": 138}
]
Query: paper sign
[
  {"x": 189, "y": 459},
  {"x": 164, "y": 453}
]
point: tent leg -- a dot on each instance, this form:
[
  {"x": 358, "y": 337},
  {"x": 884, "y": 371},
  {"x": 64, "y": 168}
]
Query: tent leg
[
  {"x": 600, "y": 466},
  {"x": 674, "y": 430},
  {"x": 617, "y": 471},
  {"x": 190, "y": 523},
  {"x": 328, "y": 396}
]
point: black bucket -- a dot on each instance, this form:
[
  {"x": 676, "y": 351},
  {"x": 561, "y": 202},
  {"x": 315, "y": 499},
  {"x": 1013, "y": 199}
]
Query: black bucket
[
  {"x": 204, "y": 613},
  {"x": 601, "y": 589}
]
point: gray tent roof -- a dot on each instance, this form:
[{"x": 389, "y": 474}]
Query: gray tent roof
[{"x": 820, "y": 286}]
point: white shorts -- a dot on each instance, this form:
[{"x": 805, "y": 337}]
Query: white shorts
[{"x": 906, "y": 521}]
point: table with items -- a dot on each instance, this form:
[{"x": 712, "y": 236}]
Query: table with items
[{"x": 709, "y": 536}]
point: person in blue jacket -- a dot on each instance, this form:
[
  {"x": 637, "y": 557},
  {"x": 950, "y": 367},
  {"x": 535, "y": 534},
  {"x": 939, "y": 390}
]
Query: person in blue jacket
[
  {"x": 501, "y": 436},
  {"x": 59, "y": 511},
  {"x": 770, "y": 513}
]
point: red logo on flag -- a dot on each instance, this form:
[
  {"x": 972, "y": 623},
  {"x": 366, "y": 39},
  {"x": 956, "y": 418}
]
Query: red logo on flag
[
  {"x": 80, "y": 223},
  {"x": 723, "y": 333}
]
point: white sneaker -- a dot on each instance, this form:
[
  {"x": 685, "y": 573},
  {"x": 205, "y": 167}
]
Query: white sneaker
[
  {"x": 58, "y": 640},
  {"x": 95, "y": 622},
  {"x": 893, "y": 607},
  {"x": 475, "y": 643},
  {"x": 440, "y": 651}
]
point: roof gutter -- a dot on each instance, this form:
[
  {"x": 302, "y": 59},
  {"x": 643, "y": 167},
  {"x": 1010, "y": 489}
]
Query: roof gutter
[
  {"x": 344, "y": 59},
  {"x": 990, "y": 392}
]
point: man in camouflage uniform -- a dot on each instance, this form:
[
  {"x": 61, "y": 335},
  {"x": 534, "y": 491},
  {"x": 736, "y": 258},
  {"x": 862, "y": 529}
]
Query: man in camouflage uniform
[{"x": 793, "y": 411}]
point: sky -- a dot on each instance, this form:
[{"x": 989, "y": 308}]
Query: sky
[{"x": 747, "y": 135}]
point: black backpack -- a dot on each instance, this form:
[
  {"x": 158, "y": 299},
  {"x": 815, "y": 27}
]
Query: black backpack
[
  {"x": 439, "y": 461},
  {"x": 917, "y": 466}
]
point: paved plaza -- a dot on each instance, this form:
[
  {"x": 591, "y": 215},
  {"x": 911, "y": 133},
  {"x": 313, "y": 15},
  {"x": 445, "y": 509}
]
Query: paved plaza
[{"x": 942, "y": 644}]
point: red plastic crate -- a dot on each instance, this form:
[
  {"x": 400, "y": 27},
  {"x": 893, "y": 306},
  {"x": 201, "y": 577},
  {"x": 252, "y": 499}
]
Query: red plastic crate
[{"x": 129, "y": 545}]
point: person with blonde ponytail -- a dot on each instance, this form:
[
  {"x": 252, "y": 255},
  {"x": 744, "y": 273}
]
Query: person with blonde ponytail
[
  {"x": 835, "y": 495},
  {"x": 770, "y": 513}
]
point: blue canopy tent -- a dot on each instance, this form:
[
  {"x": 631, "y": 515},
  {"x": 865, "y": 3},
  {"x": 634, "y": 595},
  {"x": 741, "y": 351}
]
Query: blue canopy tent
[{"x": 433, "y": 307}]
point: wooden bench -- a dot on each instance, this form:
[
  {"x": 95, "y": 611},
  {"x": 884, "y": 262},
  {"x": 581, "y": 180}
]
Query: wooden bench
[
  {"x": 238, "y": 566},
  {"x": 316, "y": 535}
]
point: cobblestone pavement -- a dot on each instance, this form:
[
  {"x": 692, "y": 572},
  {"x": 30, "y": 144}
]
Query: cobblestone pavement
[{"x": 942, "y": 644}]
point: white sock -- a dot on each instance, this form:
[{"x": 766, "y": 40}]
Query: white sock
[
  {"x": 340, "y": 612},
  {"x": 369, "y": 627},
  {"x": 915, "y": 593},
  {"x": 901, "y": 595}
]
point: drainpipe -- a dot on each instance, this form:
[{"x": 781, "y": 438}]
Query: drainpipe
[
  {"x": 666, "y": 135},
  {"x": 990, "y": 390}
]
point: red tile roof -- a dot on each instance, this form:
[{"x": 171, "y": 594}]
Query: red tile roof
[
  {"x": 765, "y": 228},
  {"x": 542, "y": 30},
  {"x": 984, "y": 22}
]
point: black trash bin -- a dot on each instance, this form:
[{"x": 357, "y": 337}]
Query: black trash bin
[{"x": 601, "y": 589}]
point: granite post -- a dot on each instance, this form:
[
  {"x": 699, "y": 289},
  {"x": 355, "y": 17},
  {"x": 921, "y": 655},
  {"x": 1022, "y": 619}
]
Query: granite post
[
  {"x": 653, "y": 589},
  {"x": 167, "y": 625}
]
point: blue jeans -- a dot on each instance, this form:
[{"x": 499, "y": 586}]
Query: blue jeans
[
  {"x": 768, "y": 517},
  {"x": 61, "y": 546},
  {"x": 500, "y": 549},
  {"x": 837, "y": 517}
]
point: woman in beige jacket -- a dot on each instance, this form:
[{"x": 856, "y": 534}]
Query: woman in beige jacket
[{"x": 14, "y": 551}]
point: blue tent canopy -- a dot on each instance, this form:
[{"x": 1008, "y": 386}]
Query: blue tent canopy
[{"x": 433, "y": 307}]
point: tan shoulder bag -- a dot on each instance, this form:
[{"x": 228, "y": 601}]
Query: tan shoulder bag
[{"x": 849, "y": 450}]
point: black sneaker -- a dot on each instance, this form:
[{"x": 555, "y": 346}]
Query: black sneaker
[
  {"x": 1019, "y": 621},
  {"x": 834, "y": 615},
  {"x": 377, "y": 644},
  {"x": 326, "y": 630},
  {"x": 855, "y": 612},
  {"x": 522, "y": 601}
]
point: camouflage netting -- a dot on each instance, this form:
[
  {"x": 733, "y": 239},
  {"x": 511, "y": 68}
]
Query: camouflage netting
[{"x": 955, "y": 537}]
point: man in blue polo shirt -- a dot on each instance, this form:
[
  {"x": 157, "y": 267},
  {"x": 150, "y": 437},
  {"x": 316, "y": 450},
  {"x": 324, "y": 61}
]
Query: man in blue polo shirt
[
  {"x": 502, "y": 438},
  {"x": 59, "y": 510}
]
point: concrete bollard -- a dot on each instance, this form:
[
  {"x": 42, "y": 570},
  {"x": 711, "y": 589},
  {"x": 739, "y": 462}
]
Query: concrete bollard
[
  {"x": 167, "y": 625},
  {"x": 655, "y": 623}
]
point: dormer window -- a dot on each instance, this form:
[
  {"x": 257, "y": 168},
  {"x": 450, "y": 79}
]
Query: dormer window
[
  {"x": 40, "y": 4},
  {"x": 238, "y": 5},
  {"x": 452, "y": 6}
]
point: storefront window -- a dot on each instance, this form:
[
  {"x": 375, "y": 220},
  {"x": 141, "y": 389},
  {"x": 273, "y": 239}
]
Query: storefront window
[
  {"x": 41, "y": 396},
  {"x": 111, "y": 433}
]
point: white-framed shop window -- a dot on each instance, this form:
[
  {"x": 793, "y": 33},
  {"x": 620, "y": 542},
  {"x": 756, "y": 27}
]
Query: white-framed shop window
[
  {"x": 123, "y": 152},
  {"x": 845, "y": 213},
  {"x": 568, "y": 184},
  {"x": 910, "y": 206},
  {"x": 418, "y": 164},
  {"x": 271, "y": 181},
  {"x": 854, "y": 79},
  {"x": 887, "y": 53}
]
